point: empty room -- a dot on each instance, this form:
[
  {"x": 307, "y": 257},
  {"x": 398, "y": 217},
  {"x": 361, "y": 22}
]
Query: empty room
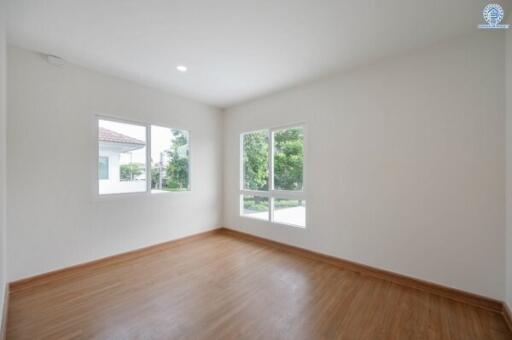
[{"x": 271, "y": 169}]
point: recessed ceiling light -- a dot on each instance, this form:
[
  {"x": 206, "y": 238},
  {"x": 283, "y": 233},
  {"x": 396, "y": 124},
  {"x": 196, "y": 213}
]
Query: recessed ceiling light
[{"x": 181, "y": 68}]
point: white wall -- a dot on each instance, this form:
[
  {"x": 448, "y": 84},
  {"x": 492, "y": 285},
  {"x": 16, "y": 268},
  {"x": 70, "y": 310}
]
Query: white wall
[
  {"x": 3, "y": 149},
  {"x": 54, "y": 219},
  {"x": 405, "y": 164},
  {"x": 508, "y": 88}
]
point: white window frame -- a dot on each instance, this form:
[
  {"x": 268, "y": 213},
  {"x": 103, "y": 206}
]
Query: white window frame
[
  {"x": 98, "y": 196},
  {"x": 272, "y": 193}
]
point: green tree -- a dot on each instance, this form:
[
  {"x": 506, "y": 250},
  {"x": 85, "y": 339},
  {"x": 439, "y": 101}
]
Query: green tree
[
  {"x": 128, "y": 172},
  {"x": 255, "y": 160},
  {"x": 177, "y": 168},
  {"x": 288, "y": 159},
  {"x": 155, "y": 177}
]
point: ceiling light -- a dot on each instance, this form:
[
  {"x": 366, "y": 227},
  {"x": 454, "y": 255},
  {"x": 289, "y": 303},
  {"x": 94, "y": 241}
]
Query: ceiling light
[{"x": 181, "y": 68}]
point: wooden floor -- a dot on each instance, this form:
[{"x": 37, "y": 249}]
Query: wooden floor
[{"x": 223, "y": 287}]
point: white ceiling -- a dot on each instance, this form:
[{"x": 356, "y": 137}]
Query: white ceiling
[{"x": 236, "y": 50}]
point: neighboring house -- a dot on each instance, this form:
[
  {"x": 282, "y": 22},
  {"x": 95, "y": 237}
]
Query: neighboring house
[{"x": 111, "y": 145}]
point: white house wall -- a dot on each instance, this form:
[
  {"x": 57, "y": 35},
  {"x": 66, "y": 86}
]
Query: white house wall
[{"x": 114, "y": 185}]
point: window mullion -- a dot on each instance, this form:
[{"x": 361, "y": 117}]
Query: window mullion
[
  {"x": 271, "y": 174},
  {"x": 148, "y": 158},
  {"x": 271, "y": 160},
  {"x": 242, "y": 169}
]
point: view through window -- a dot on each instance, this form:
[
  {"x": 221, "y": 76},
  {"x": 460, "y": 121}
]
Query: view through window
[
  {"x": 272, "y": 183},
  {"x": 123, "y": 156},
  {"x": 169, "y": 159}
]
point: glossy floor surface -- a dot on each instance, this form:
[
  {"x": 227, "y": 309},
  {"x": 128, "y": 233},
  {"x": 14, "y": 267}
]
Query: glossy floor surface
[{"x": 224, "y": 287}]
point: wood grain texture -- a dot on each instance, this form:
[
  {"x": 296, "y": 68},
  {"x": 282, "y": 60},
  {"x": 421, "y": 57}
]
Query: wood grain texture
[
  {"x": 507, "y": 315},
  {"x": 222, "y": 286},
  {"x": 5, "y": 313},
  {"x": 451, "y": 293}
]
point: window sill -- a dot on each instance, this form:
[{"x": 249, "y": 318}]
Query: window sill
[
  {"x": 295, "y": 226},
  {"x": 163, "y": 192}
]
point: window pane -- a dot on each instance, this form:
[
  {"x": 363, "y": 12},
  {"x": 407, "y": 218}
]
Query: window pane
[
  {"x": 255, "y": 207},
  {"x": 290, "y": 212},
  {"x": 288, "y": 159},
  {"x": 169, "y": 159},
  {"x": 103, "y": 167},
  {"x": 122, "y": 147},
  {"x": 255, "y": 161}
]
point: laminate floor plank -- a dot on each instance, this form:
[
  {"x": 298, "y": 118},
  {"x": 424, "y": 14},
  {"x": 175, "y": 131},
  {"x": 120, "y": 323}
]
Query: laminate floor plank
[{"x": 224, "y": 287}]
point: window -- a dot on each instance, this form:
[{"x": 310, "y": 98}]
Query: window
[
  {"x": 255, "y": 160},
  {"x": 103, "y": 167},
  {"x": 272, "y": 176},
  {"x": 127, "y": 164},
  {"x": 255, "y": 206},
  {"x": 122, "y": 147},
  {"x": 169, "y": 159},
  {"x": 289, "y": 211},
  {"x": 288, "y": 158}
]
